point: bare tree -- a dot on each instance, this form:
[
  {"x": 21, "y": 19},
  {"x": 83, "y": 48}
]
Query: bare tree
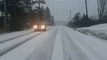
[{"x": 101, "y": 8}]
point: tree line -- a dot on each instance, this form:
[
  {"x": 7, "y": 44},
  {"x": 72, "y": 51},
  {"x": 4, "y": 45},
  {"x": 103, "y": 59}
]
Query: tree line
[
  {"x": 84, "y": 21},
  {"x": 21, "y": 14}
]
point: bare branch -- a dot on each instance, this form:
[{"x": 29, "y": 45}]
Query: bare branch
[{"x": 101, "y": 7}]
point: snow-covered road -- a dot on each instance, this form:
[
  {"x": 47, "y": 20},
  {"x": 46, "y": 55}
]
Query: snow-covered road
[
  {"x": 13, "y": 35},
  {"x": 58, "y": 43}
]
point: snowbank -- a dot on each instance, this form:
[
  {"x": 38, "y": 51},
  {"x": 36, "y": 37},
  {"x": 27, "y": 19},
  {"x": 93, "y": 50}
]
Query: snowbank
[{"x": 99, "y": 31}]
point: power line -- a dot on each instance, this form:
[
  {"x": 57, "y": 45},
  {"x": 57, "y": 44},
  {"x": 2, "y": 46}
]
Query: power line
[{"x": 81, "y": 8}]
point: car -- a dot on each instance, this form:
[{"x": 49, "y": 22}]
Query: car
[{"x": 39, "y": 27}]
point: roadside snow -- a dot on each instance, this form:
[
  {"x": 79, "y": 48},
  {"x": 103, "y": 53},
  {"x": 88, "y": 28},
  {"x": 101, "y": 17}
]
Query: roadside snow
[
  {"x": 9, "y": 45},
  {"x": 7, "y": 36},
  {"x": 99, "y": 31},
  {"x": 12, "y": 35},
  {"x": 95, "y": 49},
  {"x": 97, "y": 27},
  {"x": 26, "y": 50}
]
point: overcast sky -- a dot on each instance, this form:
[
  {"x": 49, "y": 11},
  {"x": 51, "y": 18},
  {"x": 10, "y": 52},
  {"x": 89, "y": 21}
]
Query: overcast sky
[{"x": 60, "y": 8}]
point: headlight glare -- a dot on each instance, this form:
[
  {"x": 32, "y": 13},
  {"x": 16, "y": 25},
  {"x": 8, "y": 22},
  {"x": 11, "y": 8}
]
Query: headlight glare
[
  {"x": 42, "y": 26},
  {"x": 35, "y": 27}
]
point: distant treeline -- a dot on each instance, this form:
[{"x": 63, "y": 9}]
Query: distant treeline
[{"x": 84, "y": 21}]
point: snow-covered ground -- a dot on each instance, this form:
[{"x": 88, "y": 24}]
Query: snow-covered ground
[
  {"x": 9, "y": 36},
  {"x": 58, "y": 43},
  {"x": 99, "y": 31},
  {"x": 9, "y": 45},
  {"x": 93, "y": 48},
  {"x": 37, "y": 45},
  {"x": 13, "y": 35},
  {"x": 97, "y": 27}
]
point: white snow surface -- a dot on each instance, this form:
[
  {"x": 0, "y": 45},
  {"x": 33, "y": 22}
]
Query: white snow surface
[
  {"x": 58, "y": 49},
  {"x": 4, "y": 47},
  {"x": 13, "y": 34},
  {"x": 59, "y": 43},
  {"x": 100, "y": 31},
  {"x": 95, "y": 49},
  {"x": 26, "y": 50},
  {"x": 97, "y": 27},
  {"x": 6, "y": 36}
]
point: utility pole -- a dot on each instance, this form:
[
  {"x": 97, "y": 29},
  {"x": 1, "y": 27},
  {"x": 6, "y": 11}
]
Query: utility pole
[
  {"x": 5, "y": 16},
  {"x": 86, "y": 8},
  {"x": 70, "y": 15},
  {"x": 39, "y": 4}
]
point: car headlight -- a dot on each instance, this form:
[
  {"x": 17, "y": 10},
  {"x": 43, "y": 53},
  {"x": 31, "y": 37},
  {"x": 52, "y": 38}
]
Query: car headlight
[
  {"x": 43, "y": 26},
  {"x": 35, "y": 27}
]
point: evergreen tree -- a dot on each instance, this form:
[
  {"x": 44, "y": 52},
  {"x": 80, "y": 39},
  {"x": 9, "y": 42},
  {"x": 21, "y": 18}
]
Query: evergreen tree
[
  {"x": 49, "y": 18},
  {"x": 76, "y": 19}
]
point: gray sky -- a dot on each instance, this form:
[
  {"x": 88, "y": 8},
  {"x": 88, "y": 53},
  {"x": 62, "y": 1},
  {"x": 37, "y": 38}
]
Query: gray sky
[{"x": 60, "y": 8}]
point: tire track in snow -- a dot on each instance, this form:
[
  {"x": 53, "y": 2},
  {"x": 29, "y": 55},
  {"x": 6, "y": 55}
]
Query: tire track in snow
[
  {"x": 71, "y": 49},
  {"x": 58, "y": 49},
  {"x": 13, "y": 46},
  {"x": 44, "y": 49},
  {"x": 6, "y": 40},
  {"x": 16, "y": 44},
  {"x": 3, "y": 41},
  {"x": 93, "y": 48}
]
